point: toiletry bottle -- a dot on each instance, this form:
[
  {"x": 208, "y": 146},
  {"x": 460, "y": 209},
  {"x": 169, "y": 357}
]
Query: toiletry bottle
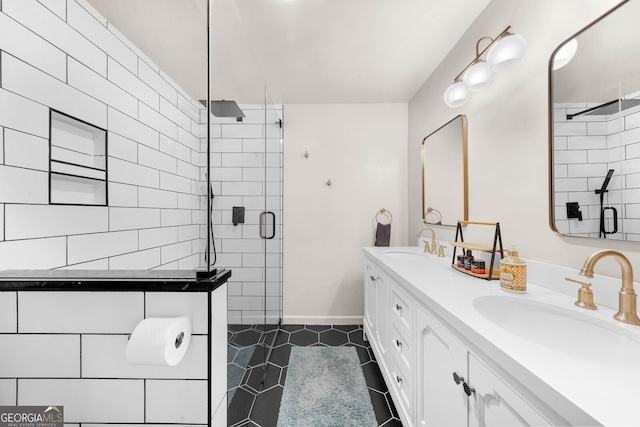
[
  {"x": 468, "y": 260},
  {"x": 513, "y": 273}
]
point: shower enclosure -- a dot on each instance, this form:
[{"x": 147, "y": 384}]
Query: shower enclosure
[{"x": 246, "y": 173}]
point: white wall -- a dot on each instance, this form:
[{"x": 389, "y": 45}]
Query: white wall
[
  {"x": 508, "y": 132},
  {"x": 362, "y": 150}
]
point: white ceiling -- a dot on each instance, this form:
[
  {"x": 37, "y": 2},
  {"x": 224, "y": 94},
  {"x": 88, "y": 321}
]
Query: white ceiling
[{"x": 304, "y": 51}]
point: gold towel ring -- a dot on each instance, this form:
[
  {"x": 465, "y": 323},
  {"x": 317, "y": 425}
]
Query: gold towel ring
[
  {"x": 437, "y": 214},
  {"x": 383, "y": 211}
]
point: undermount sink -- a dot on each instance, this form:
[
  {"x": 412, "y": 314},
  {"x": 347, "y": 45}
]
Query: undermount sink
[
  {"x": 406, "y": 255},
  {"x": 566, "y": 331}
]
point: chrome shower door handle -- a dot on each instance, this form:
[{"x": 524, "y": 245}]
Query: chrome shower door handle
[{"x": 263, "y": 225}]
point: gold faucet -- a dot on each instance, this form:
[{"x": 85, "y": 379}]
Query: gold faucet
[
  {"x": 627, "y": 300},
  {"x": 433, "y": 240}
]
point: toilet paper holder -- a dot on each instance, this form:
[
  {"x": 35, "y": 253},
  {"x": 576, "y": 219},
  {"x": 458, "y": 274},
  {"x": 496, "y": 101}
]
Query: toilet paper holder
[
  {"x": 178, "y": 342},
  {"x": 159, "y": 341}
]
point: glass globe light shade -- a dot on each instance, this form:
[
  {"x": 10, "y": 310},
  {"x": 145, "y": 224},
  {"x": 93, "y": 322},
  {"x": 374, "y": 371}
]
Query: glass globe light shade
[
  {"x": 507, "y": 52},
  {"x": 565, "y": 54},
  {"x": 478, "y": 77},
  {"x": 457, "y": 94}
]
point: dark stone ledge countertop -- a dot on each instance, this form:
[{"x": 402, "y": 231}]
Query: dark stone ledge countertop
[{"x": 112, "y": 280}]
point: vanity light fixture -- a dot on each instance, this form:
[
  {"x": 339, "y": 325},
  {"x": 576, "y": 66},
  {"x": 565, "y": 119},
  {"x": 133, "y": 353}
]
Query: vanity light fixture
[{"x": 504, "y": 51}]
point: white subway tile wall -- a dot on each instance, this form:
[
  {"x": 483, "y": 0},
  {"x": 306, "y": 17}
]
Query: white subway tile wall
[
  {"x": 247, "y": 171},
  {"x": 89, "y": 332},
  {"x": 63, "y": 55},
  {"x": 176, "y": 401},
  {"x": 8, "y": 312},
  {"x": 8, "y": 392},
  {"x": 22, "y": 356},
  {"x": 585, "y": 149},
  {"x": 78, "y": 396}
]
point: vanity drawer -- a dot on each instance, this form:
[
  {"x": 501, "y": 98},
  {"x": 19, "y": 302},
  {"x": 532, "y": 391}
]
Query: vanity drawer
[
  {"x": 401, "y": 382},
  {"x": 401, "y": 311},
  {"x": 402, "y": 349}
]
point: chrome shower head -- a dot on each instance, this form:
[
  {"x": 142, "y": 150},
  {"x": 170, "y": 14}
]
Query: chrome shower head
[{"x": 224, "y": 108}]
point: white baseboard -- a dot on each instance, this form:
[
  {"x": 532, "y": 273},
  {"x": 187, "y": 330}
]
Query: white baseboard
[{"x": 321, "y": 320}]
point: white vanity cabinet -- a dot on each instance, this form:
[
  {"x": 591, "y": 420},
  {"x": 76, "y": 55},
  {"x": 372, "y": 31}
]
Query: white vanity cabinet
[{"x": 433, "y": 378}]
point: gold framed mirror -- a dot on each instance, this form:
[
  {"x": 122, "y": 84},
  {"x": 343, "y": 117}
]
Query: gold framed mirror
[
  {"x": 444, "y": 174},
  {"x": 594, "y": 129}
]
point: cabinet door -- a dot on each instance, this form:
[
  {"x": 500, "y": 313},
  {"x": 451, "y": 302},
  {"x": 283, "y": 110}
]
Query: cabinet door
[
  {"x": 441, "y": 401},
  {"x": 370, "y": 279},
  {"x": 376, "y": 292},
  {"x": 494, "y": 404}
]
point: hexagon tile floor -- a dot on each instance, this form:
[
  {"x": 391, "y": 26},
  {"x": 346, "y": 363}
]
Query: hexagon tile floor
[{"x": 252, "y": 407}]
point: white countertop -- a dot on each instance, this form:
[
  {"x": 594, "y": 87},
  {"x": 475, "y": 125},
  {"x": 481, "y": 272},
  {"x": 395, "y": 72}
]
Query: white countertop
[{"x": 579, "y": 391}]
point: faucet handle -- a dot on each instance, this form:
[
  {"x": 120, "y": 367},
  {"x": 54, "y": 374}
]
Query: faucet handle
[
  {"x": 585, "y": 295},
  {"x": 441, "y": 251},
  {"x": 426, "y": 246}
]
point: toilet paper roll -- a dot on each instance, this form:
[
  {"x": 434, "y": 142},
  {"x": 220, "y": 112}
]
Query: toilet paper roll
[{"x": 159, "y": 341}]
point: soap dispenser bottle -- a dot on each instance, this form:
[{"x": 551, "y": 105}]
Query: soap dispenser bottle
[{"x": 513, "y": 273}]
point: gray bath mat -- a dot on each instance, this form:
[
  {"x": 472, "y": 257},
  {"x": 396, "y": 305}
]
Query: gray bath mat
[{"x": 325, "y": 387}]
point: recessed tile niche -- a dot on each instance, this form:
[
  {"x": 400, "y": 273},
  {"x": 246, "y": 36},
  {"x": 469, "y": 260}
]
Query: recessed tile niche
[{"x": 77, "y": 162}]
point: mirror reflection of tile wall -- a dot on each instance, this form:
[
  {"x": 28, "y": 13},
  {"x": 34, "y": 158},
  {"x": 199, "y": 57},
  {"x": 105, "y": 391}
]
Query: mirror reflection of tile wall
[{"x": 585, "y": 148}]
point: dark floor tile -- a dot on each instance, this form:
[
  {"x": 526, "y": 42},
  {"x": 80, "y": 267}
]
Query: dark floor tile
[
  {"x": 269, "y": 338},
  {"x": 317, "y": 328},
  {"x": 363, "y": 355},
  {"x": 392, "y": 423},
  {"x": 239, "y": 328},
  {"x": 231, "y": 353},
  {"x": 380, "y": 407},
  {"x": 246, "y": 338},
  {"x": 392, "y": 406},
  {"x": 355, "y": 337},
  {"x": 240, "y": 406},
  {"x": 334, "y": 337},
  {"x": 267, "y": 406},
  {"x": 266, "y": 327},
  {"x": 259, "y": 356},
  {"x": 282, "y": 338},
  {"x": 373, "y": 377},
  {"x": 283, "y": 376},
  {"x": 292, "y": 328},
  {"x": 254, "y": 380},
  {"x": 280, "y": 356},
  {"x": 347, "y": 328},
  {"x": 235, "y": 375},
  {"x": 272, "y": 377},
  {"x": 243, "y": 356},
  {"x": 303, "y": 338}
]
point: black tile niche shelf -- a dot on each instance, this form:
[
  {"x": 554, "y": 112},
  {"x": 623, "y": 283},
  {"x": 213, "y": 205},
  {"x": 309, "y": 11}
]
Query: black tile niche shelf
[{"x": 77, "y": 162}]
